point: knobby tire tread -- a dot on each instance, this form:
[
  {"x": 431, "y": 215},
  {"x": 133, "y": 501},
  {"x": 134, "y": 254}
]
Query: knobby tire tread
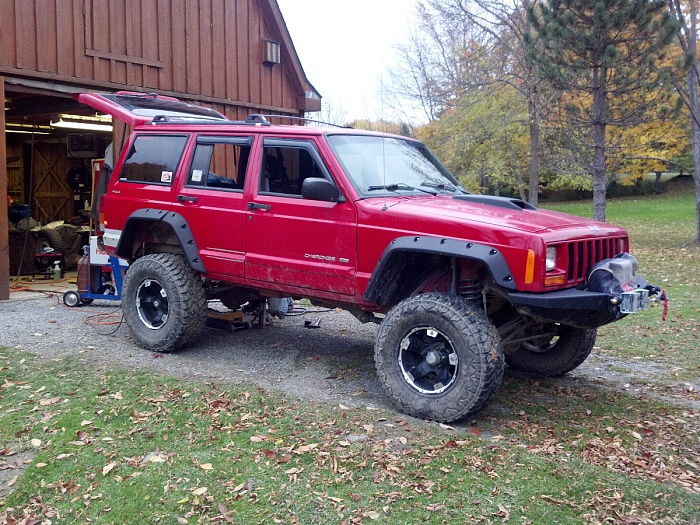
[
  {"x": 485, "y": 347},
  {"x": 187, "y": 300},
  {"x": 570, "y": 351}
]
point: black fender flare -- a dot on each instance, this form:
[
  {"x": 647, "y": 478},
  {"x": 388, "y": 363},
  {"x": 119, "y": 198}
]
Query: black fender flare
[
  {"x": 178, "y": 224},
  {"x": 492, "y": 259}
]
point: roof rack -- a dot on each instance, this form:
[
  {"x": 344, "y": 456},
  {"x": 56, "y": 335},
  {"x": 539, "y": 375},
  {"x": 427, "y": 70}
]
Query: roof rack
[
  {"x": 251, "y": 120},
  {"x": 315, "y": 121}
]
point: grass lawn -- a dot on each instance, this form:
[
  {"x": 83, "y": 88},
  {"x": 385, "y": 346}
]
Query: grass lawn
[
  {"x": 123, "y": 448},
  {"x": 83, "y": 445}
]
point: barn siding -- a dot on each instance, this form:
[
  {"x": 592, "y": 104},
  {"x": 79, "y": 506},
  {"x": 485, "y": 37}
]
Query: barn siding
[{"x": 207, "y": 49}]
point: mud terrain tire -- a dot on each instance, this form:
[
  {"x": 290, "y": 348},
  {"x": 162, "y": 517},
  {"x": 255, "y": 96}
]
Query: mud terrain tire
[
  {"x": 164, "y": 302},
  {"x": 438, "y": 357},
  {"x": 48, "y": 238},
  {"x": 554, "y": 356}
]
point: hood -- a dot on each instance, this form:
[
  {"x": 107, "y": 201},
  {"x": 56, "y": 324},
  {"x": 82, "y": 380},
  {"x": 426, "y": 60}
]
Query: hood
[{"x": 492, "y": 212}]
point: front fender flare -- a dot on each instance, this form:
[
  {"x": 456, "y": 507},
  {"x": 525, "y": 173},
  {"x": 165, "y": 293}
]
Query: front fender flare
[{"x": 492, "y": 258}]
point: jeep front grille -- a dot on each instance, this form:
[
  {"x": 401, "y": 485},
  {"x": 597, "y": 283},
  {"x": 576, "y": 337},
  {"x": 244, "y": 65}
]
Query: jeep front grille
[{"x": 582, "y": 255}]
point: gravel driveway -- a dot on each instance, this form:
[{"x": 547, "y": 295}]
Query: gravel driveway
[{"x": 333, "y": 362}]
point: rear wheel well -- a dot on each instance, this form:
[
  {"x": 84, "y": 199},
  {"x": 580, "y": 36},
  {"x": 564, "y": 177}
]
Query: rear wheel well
[{"x": 143, "y": 237}]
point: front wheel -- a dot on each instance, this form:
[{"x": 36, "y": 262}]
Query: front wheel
[
  {"x": 558, "y": 350},
  {"x": 438, "y": 357},
  {"x": 164, "y": 302}
]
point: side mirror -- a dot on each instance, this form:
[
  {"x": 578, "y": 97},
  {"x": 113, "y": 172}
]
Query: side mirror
[{"x": 319, "y": 189}]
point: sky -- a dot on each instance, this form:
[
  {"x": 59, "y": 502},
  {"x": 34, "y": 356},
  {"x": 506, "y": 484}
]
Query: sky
[{"x": 345, "y": 46}]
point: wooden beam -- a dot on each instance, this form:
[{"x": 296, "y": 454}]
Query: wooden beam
[{"x": 4, "y": 226}]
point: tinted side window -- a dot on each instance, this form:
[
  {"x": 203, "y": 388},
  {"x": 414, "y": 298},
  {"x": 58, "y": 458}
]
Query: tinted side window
[
  {"x": 285, "y": 166},
  {"x": 220, "y": 165},
  {"x": 153, "y": 159}
]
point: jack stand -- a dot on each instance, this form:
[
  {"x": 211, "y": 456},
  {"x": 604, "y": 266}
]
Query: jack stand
[{"x": 262, "y": 314}]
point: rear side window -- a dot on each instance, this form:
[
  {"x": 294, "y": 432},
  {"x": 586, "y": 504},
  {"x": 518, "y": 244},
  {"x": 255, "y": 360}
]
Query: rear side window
[
  {"x": 153, "y": 159},
  {"x": 220, "y": 163}
]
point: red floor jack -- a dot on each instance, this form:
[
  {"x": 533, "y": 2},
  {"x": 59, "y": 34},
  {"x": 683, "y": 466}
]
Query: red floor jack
[{"x": 99, "y": 277}]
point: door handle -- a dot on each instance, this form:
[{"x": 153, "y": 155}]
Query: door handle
[
  {"x": 186, "y": 198},
  {"x": 256, "y": 206}
]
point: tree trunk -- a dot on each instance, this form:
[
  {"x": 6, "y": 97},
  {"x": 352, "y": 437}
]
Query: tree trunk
[
  {"x": 695, "y": 111},
  {"x": 534, "y": 120},
  {"x": 599, "y": 125},
  {"x": 695, "y": 104},
  {"x": 657, "y": 182}
]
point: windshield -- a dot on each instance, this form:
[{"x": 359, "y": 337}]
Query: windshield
[{"x": 379, "y": 165}]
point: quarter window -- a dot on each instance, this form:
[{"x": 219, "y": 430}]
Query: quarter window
[{"x": 154, "y": 159}]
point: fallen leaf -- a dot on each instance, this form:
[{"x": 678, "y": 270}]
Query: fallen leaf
[
  {"x": 108, "y": 468},
  {"x": 200, "y": 491},
  {"x": 206, "y": 466},
  {"x": 36, "y": 442}
]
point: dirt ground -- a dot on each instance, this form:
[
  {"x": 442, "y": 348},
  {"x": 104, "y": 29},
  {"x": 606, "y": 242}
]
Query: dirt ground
[{"x": 331, "y": 361}]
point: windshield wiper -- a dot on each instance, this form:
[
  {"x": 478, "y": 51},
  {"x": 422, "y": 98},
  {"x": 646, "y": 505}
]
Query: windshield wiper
[
  {"x": 439, "y": 186},
  {"x": 398, "y": 186}
]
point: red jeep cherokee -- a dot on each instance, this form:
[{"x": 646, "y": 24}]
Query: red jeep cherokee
[{"x": 207, "y": 208}]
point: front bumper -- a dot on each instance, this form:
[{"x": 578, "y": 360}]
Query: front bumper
[{"x": 579, "y": 308}]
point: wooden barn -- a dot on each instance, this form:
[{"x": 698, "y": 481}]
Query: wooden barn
[{"x": 233, "y": 55}]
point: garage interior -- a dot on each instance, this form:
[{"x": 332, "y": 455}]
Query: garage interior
[{"x": 54, "y": 149}]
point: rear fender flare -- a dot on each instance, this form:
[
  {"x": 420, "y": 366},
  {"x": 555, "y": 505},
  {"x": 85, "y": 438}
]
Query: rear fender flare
[
  {"x": 179, "y": 226},
  {"x": 398, "y": 249}
]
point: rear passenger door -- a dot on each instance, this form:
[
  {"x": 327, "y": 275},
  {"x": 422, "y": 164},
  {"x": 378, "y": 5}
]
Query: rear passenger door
[
  {"x": 293, "y": 241},
  {"x": 213, "y": 203}
]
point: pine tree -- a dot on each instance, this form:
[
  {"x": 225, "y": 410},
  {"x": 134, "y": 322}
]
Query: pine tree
[{"x": 605, "y": 52}]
